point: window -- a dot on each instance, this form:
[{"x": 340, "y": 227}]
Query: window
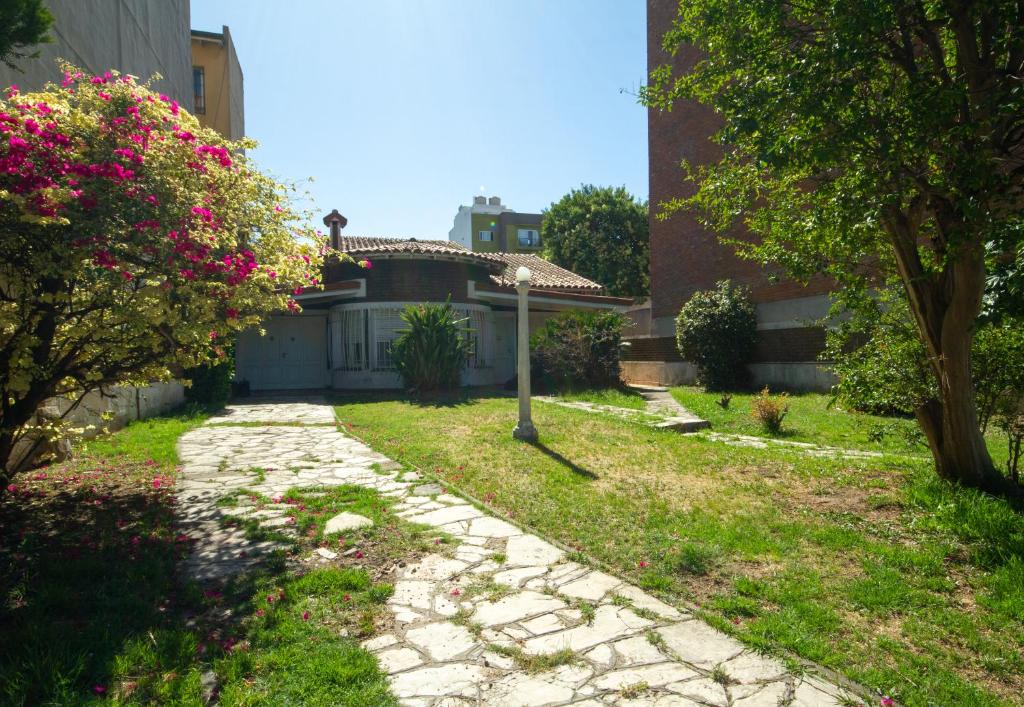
[
  {"x": 352, "y": 340},
  {"x": 362, "y": 339},
  {"x": 477, "y": 338},
  {"x": 487, "y": 235},
  {"x": 199, "y": 89},
  {"x": 529, "y": 237},
  {"x": 384, "y": 328}
]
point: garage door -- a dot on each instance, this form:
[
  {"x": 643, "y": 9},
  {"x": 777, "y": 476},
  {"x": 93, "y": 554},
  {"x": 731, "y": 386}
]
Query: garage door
[{"x": 292, "y": 354}]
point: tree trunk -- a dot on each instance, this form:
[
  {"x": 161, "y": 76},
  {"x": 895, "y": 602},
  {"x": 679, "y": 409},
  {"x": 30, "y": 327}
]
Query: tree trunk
[{"x": 946, "y": 305}]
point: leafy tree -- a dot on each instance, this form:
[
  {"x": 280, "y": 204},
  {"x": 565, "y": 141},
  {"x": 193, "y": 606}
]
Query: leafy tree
[
  {"x": 602, "y": 234},
  {"x": 23, "y": 24},
  {"x": 716, "y": 331},
  {"x": 132, "y": 242},
  {"x": 431, "y": 351},
  {"x": 863, "y": 139}
]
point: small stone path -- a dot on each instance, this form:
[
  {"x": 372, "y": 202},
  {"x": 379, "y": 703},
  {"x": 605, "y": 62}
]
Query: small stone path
[
  {"x": 466, "y": 626},
  {"x": 664, "y": 412}
]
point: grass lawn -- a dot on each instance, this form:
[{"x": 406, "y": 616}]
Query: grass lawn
[
  {"x": 811, "y": 418},
  {"x": 871, "y": 567},
  {"x": 617, "y": 397},
  {"x": 93, "y": 611}
]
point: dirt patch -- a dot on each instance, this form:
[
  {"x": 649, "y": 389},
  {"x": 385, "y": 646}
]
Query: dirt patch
[{"x": 870, "y": 504}]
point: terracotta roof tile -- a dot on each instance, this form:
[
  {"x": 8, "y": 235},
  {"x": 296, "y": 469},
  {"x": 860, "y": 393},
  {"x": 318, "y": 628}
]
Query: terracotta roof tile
[{"x": 545, "y": 275}]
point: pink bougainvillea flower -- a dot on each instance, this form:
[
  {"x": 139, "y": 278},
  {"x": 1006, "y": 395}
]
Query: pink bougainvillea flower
[
  {"x": 260, "y": 612},
  {"x": 99, "y": 690},
  {"x": 305, "y": 616},
  {"x": 11, "y": 488},
  {"x": 347, "y": 597},
  {"x": 366, "y": 264},
  {"x": 456, "y": 592},
  {"x": 642, "y": 564},
  {"x": 359, "y": 554},
  {"x": 156, "y": 482},
  {"x": 887, "y": 702},
  {"x": 271, "y": 598}
]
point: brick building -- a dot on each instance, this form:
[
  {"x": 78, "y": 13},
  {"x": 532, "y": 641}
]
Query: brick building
[{"x": 685, "y": 257}]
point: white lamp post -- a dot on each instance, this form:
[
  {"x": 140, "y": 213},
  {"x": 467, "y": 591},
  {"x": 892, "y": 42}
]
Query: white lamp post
[{"x": 524, "y": 430}]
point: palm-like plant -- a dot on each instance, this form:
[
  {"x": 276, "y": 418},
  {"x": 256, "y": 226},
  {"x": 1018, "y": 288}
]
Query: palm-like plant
[{"x": 431, "y": 351}]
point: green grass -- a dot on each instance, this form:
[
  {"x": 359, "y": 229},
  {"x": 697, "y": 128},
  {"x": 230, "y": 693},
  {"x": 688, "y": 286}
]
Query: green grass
[
  {"x": 291, "y": 650},
  {"x": 153, "y": 439},
  {"x": 616, "y": 397},
  {"x": 92, "y": 608},
  {"x": 811, "y": 418},
  {"x": 872, "y": 567}
]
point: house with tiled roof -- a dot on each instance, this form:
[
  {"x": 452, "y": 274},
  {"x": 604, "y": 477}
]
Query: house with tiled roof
[{"x": 342, "y": 338}]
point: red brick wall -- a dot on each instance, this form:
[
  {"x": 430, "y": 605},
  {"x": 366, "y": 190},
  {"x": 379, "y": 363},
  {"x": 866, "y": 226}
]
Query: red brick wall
[
  {"x": 402, "y": 280},
  {"x": 685, "y": 257}
]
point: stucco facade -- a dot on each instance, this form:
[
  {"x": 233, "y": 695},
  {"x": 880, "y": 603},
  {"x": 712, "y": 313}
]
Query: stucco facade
[
  {"x": 138, "y": 37},
  {"x": 218, "y": 97}
]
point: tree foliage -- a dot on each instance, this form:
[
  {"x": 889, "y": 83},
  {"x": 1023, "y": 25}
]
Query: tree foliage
[
  {"x": 602, "y": 234},
  {"x": 132, "y": 241},
  {"x": 431, "y": 351},
  {"x": 23, "y": 24},
  {"x": 579, "y": 350},
  {"x": 866, "y": 139},
  {"x": 716, "y": 331}
]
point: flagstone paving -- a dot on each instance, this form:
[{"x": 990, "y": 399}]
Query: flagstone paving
[{"x": 467, "y": 626}]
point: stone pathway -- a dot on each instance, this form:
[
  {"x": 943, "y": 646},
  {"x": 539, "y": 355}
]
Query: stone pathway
[{"x": 475, "y": 627}]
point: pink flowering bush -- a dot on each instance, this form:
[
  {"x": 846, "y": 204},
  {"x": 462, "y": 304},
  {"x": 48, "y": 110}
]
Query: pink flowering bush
[{"x": 132, "y": 241}]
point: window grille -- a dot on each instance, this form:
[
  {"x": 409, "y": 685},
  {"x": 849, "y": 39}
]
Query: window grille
[
  {"x": 385, "y": 327},
  {"x": 477, "y": 338}
]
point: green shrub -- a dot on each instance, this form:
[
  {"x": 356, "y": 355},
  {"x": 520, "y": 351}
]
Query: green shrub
[
  {"x": 997, "y": 364},
  {"x": 211, "y": 383},
  {"x": 431, "y": 351},
  {"x": 579, "y": 350},
  {"x": 716, "y": 331}
]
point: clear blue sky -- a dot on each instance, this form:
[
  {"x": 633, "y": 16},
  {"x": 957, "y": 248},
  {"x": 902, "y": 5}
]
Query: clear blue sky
[{"x": 400, "y": 110}]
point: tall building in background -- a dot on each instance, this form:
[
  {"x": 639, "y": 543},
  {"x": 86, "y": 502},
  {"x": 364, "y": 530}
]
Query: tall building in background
[
  {"x": 217, "y": 83},
  {"x": 686, "y": 257},
  {"x": 198, "y": 69},
  {"x": 488, "y": 226},
  {"x": 138, "y": 37}
]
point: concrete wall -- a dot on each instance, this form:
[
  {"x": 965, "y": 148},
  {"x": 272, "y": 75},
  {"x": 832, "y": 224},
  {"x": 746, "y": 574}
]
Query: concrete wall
[
  {"x": 118, "y": 406},
  {"x": 98, "y": 413},
  {"x": 138, "y": 37}
]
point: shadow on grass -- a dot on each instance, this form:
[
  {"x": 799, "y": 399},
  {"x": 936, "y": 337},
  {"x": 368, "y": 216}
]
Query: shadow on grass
[
  {"x": 570, "y": 465},
  {"x": 91, "y": 604}
]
